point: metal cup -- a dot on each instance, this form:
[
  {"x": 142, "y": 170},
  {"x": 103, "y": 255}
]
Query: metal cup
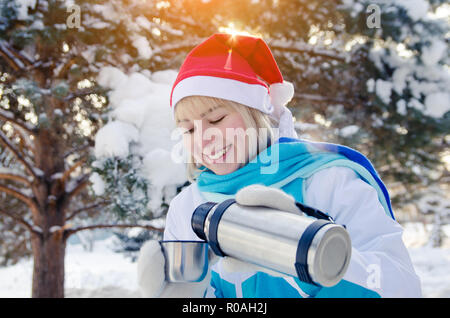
[{"x": 186, "y": 261}]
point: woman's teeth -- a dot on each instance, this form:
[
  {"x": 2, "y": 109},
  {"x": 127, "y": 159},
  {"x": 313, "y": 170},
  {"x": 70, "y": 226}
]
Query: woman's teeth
[{"x": 219, "y": 154}]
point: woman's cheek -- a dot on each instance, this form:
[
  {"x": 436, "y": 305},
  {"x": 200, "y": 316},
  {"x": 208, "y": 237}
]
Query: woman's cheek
[
  {"x": 239, "y": 139},
  {"x": 189, "y": 145},
  {"x": 196, "y": 151}
]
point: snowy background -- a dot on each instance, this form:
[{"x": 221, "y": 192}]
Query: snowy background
[
  {"x": 104, "y": 273},
  {"x": 407, "y": 87}
]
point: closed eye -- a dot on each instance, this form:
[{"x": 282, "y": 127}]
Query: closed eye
[
  {"x": 216, "y": 121},
  {"x": 185, "y": 130}
]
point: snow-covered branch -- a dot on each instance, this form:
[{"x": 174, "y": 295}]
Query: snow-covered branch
[
  {"x": 79, "y": 149},
  {"x": 9, "y": 116},
  {"x": 19, "y": 195},
  {"x": 69, "y": 232},
  {"x": 298, "y": 47},
  {"x": 28, "y": 167},
  {"x": 64, "y": 68},
  {"x": 275, "y": 45},
  {"x": 86, "y": 208},
  {"x": 80, "y": 93},
  {"x": 67, "y": 173},
  {"x": 179, "y": 46},
  {"x": 321, "y": 98},
  {"x": 16, "y": 60},
  {"x": 21, "y": 221},
  {"x": 74, "y": 187},
  {"x": 14, "y": 176}
]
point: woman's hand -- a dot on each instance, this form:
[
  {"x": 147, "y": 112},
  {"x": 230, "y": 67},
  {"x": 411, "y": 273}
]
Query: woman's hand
[
  {"x": 150, "y": 267},
  {"x": 259, "y": 195},
  {"x": 152, "y": 278}
]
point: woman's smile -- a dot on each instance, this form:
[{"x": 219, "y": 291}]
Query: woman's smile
[{"x": 217, "y": 156}]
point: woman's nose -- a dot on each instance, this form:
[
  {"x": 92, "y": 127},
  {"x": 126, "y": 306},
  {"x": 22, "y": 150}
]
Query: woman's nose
[
  {"x": 206, "y": 133},
  {"x": 200, "y": 129}
]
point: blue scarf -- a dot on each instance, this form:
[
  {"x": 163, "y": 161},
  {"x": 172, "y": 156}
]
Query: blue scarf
[{"x": 286, "y": 164}]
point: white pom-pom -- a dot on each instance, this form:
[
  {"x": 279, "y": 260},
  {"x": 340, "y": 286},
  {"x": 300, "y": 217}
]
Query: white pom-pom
[{"x": 281, "y": 93}]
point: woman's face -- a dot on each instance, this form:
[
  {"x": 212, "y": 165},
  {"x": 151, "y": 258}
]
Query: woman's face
[{"x": 216, "y": 139}]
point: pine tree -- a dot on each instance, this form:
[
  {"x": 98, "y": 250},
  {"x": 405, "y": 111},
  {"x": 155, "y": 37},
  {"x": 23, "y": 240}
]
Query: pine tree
[
  {"x": 50, "y": 110},
  {"x": 408, "y": 94}
]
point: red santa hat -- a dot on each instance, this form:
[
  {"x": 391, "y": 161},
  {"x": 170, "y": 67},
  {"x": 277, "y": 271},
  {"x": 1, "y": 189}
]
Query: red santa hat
[{"x": 239, "y": 68}]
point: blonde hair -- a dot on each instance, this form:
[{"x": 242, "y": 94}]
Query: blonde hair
[{"x": 254, "y": 119}]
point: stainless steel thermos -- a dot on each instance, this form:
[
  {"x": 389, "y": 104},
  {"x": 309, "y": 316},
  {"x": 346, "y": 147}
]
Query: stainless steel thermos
[{"x": 308, "y": 245}]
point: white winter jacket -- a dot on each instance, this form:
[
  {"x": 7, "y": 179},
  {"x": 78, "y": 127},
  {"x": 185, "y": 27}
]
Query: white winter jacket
[{"x": 379, "y": 267}]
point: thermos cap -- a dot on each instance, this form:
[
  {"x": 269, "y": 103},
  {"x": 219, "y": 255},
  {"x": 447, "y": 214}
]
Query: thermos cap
[
  {"x": 199, "y": 217},
  {"x": 329, "y": 255}
]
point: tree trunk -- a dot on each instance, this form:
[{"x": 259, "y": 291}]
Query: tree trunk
[
  {"x": 48, "y": 269},
  {"x": 49, "y": 246}
]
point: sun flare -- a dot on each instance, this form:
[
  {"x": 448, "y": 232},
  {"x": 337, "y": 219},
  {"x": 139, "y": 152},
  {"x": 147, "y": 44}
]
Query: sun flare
[{"x": 233, "y": 30}]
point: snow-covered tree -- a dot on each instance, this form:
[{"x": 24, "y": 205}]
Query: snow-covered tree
[
  {"x": 379, "y": 82},
  {"x": 407, "y": 120},
  {"x": 50, "y": 110},
  {"x": 13, "y": 237},
  {"x": 84, "y": 88}
]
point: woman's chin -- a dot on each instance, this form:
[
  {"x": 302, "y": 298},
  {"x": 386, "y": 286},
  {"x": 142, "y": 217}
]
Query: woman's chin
[{"x": 223, "y": 168}]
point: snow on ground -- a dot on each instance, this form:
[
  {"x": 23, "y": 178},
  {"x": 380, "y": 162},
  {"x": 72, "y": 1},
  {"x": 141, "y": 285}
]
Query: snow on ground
[
  {"x": 431, "y": 264},
  {"x": 100, "y": 273},
  {"x": 433, "y": 267},
  {"x": 104, "y": 273}
]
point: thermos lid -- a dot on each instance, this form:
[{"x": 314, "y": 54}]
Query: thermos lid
[{"x": 329, "y": 255}]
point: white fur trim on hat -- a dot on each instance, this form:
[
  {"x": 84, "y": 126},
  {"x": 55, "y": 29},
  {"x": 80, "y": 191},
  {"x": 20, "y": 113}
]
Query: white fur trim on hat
[{"x": 252, "y": 95}]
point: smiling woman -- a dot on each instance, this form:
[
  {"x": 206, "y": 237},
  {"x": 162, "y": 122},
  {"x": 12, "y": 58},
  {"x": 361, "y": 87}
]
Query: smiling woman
[
  {"x": 221, "y": 135},
  {"x": 230, "y": 99}
]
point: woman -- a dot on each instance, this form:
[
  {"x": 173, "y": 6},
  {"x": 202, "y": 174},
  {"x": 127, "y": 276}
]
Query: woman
[{"x": 229, "y": 100}]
